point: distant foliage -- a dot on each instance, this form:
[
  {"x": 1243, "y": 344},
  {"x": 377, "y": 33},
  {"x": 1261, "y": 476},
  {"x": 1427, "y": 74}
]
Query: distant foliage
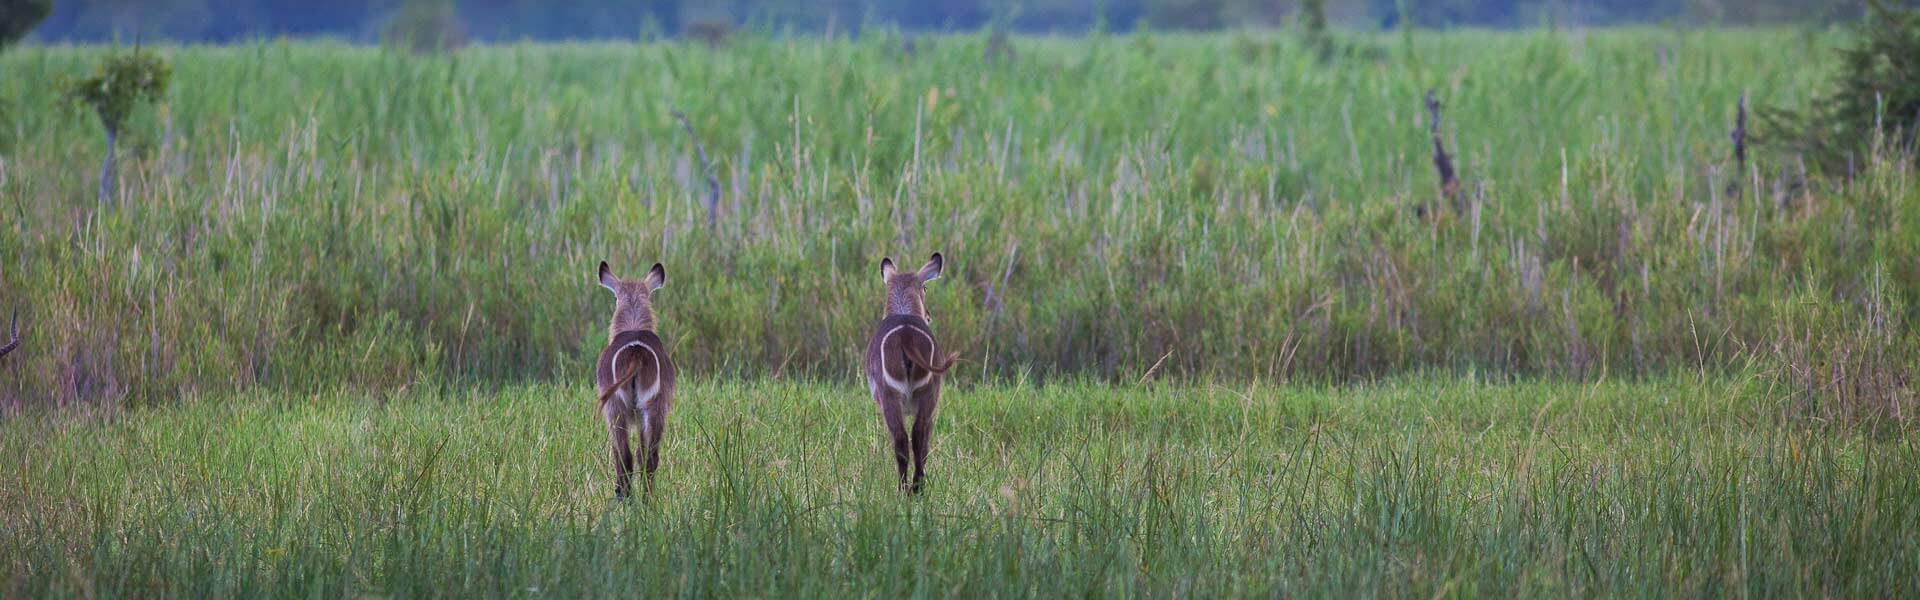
[
  {"x": 120, "y": 83},
  {"x": 425, "y": 27},
  {"x": 1187, "y": 14},
  {"x": 241, "y": 20},
  {"x": 1532, "y": 13},
  {"x": 711, "y": 33},
  {"x": 1875, "y": 97},
  {"x": 18, "y": 17},
  {"x": 1321, "y": 39},
  {"x": 1313, "y": 27}
]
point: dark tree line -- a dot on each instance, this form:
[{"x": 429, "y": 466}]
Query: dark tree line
[
  {"x": 18, "y": 17},
  {"x": 232, "y": 20},
  {"x": 1529, "y": 13}
]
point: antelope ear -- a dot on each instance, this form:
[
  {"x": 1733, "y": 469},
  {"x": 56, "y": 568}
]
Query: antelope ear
[
  {"x": 656, "y": 277},
  {"x": 886, "y": 268},
  {"x": 931, "y": 271},
  {"x": 606, "y": 276}
]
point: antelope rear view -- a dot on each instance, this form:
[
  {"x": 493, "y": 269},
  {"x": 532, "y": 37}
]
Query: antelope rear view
[
  {"x": 635, "y": 376},
  {"x": 905, "y": 367}
]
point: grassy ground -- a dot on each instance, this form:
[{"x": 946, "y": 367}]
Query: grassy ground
[
  {"x": 1414, "y": 488},
  {"x": 1716, "y": 387}
]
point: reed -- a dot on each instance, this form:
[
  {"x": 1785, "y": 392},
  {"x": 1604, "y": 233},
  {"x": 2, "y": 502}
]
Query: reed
[{"x": 309, "y": 215}]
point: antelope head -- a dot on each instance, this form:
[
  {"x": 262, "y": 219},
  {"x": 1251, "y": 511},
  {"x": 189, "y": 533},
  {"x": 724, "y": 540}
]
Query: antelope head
[
  {"x": 907, "y": 291},
  {"x": 632, "y": 299}
]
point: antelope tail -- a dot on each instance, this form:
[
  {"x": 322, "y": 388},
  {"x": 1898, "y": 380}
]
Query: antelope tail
[
  {"x": 624, "y": 381},
  {"x": 920, "y": 359}
]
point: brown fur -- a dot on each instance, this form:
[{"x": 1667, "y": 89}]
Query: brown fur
[
  {"x": 632, "y": 299},
  {"x": 917, "y": 354},
  {"x": 623, "y": 383},
  {"x": 903, "y": 372},
  {"x": 634, "y": 363}
]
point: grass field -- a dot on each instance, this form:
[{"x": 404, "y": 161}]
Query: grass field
[
  {"x": 1414, "y": 488},
  {"x": 309, "y": 215},
  {"x": 1220, "y": 335}
]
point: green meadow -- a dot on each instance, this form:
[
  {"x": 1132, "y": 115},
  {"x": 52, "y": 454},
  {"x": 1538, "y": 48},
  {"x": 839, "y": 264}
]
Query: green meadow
[
  {"x": 1427, "y": 486},
  {"x": 1220, "y": 333}
]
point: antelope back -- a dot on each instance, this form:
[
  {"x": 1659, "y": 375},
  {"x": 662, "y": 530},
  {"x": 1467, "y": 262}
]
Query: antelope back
[
  {"x": 887, "y": 362},
  {"x": 642, "y": 355}
]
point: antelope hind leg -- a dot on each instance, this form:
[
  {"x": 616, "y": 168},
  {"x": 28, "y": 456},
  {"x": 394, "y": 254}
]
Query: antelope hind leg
[
  {"x": 925, "y": 400},
  {"x": 897, "y": 429},
  {"x": 622, "y": 453}
]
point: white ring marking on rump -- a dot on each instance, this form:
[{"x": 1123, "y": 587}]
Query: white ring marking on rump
[
  {"x": 639, "y": 399},
  {"x": 904, "y": 387}
]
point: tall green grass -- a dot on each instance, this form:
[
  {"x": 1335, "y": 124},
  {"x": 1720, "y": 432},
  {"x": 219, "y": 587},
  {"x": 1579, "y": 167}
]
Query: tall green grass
[
  {"x": 1419, "y": 488},
  {"x": 309, "y": 215}
]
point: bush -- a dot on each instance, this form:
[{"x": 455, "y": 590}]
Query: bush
[
  {"x": 1875, "y": 98},
  {"x": 712, "y": 33},
  {"x": 18, "y": 17},
  {"x": 1313, "y": 25},
  {"x": 425, "y": 27}
]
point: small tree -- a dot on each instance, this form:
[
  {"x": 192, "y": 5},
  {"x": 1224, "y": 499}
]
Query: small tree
[
  {"x": 17, "y": 17},
  {"x": 712, "y": 32},
  {"x": 1876, "y": 96},
  {"x": 425, "y": 27},
  {"x": 1313, "y": 26},
  {"x": 119, "y": 84}
]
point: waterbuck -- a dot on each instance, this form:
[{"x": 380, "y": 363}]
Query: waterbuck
[
  {"x": 904, "y": 367},
  {"x": 635, "y": 375}
]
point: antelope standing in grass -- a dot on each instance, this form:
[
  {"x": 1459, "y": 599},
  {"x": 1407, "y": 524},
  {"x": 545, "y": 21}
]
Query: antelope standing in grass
[
  {"x": 635, "y": 376},
  {"x": 904, "y": 368}
]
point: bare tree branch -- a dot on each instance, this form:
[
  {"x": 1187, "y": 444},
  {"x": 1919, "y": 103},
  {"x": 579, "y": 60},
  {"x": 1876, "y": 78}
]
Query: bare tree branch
[
  {"x": 15, "y": 335},
  {"x": 1449, "y": 180},
  {"x": 713, "y": 182},
  {"x": 1739, "y": 148}
]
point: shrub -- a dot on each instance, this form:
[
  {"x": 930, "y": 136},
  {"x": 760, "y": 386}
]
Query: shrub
[
  {"x": 1875, "y": 98},
  {"x": 425, "y": 27},
  {"x": 1313, "y": 25},
  {"x": 713, "y": 33}
]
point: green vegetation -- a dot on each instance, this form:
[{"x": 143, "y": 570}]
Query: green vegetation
[
  {"x": 243, "y": 20},
  {"x": 1313, "y": 27},
  {"x": 1419, "y": 488},
  {"x": 312, "y": 215},
  {"x": 425, "y": 26},
  {"x": 1874, "y": 100},
  {"x": 120, "y": 84},
  {"x": 335, "y": 343}
]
